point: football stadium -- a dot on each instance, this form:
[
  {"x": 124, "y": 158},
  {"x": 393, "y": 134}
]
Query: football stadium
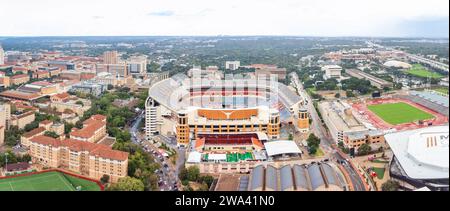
[
  {"x": 245, "y": 101},
  {"x": 48, "y": 181},
  {"x": 411, "y": 110},
  {"x": 223, "y": 120}
]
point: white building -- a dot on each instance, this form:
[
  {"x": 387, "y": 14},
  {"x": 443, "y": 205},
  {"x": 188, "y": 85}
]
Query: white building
[
  {"x": 332, "y": 71},
  {"x": 137, "y": 65},
  {"x": 420, "y": 158},
  {"x": 232, "y": 65}
]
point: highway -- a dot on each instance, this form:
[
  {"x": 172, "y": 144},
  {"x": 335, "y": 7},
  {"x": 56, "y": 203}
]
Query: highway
[{"x": 326, "y": 141}]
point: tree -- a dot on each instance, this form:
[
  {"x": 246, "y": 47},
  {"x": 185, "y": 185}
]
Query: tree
[
  {"x": 68, "y": 127},
  {"x": 193, "y": 173},
  {"x": 182, "y": 175},
  {"x": 349, "y": 93},
  {"x": 291, "y": 137},
  {"x": 364, "y": 149},
  {"x": 208, "y": 179},
  {"x": 79, "y": 102},
  {"x": 51, "y": 134},
  {"x": 337, "y": 95},
  {"x": 390, "y": 185},
  {"x": 104, "y": 179},
  {"x": 31, "y": 126},
  {"x": 127, "y": 184},
  {"x": 313, "y": 141}
]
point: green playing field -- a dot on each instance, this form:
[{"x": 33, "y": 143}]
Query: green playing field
[
  {"x": 399, "y": 113},
  {"x": 420, "y": 71},
  {"x": 48, "y": 181}
]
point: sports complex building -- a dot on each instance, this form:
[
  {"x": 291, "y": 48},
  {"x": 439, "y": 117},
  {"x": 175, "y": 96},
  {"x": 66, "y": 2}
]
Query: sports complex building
[
  {"x": 367, "y": 120},
  {"x": 421, "y": 158},
  {"x": 223, "y": 120}
]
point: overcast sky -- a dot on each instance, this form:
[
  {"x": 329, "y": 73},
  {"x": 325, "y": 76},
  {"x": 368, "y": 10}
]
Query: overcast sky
[{"x": 225, "y": 17}]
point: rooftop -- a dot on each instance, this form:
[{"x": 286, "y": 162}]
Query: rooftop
[
  {"x": 99, "y": 150},
  {"x": 422, "y": 153}
]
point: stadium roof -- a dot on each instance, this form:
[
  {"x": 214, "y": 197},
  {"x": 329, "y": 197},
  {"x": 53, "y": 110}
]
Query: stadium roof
[
  {"x": 422, "y": 153},
  {"x": 257, "y": 176},
  {"x": 281, "y": 147},
  {"x": 286, "y": 180},
  {"x": 400, "y": 64},
  {"x": 271, "y": 178}
]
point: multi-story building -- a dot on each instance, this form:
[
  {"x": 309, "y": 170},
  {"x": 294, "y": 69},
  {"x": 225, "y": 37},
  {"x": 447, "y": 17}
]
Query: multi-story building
[
  {"x": 193, "y": 122},
  {"x": 374, "y": 81},
  {"x": 19, "y": 79},
  {"x": 345, "y": 127},
  {"x": 89, "y": 88},
  {"x": 232, "y": 65},
  {"x": 41, "y": 74},
  {"x": 22, "y": 119},
  {"x": 40, "y": 87},
  {"x": 110, "y": 57},
  {"x": 5, "y": 116},
  {"x": 269, "y": 70},
  {"x": 137, "y": 65},
  {"x": 332, "y": 71},
  {"x": 64, "y": 101},
  {"x": 115, "y": 69},
  {"x": 109, "y": 79},
  {"x": 94, "y": 130},
  {"x": 85, "y": 158},
  {"x": 5, "y": 81}
]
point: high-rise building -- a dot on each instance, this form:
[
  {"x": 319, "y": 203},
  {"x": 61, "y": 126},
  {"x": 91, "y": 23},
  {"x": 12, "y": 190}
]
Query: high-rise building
[
  {"x": 2, "y": 56},
  {"x": 232, "y": 65},
  {"x": 137, "y": 65},
  {"x": 110, "y": 57},
  {"x": 120, "y": 70}
]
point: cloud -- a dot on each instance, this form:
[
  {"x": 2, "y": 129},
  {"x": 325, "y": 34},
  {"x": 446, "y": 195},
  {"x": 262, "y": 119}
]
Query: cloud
[
  {"x": 165, "y": 13},
  {"x": 96, "y": 17}
]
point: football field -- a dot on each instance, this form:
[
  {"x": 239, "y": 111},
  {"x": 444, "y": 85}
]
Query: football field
[
  {"x": 399, "y": 113},
  {"x": 48, "y": 181}
]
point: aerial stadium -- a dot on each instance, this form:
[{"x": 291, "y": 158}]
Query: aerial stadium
[
  {"x": 406, "y": 111},
  {"x": 223, "y": 117}
]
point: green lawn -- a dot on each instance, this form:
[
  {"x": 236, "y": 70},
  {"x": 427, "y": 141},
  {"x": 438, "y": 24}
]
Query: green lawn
[
  {"x": 379, "y": 171},
  {"x": 380, "y": 161},
  {"x": 48, "y": 181},
  {"x": 420, "y": 71},
  {"x": 319, "y": 152},
  {"x": 399, "y": 113}
]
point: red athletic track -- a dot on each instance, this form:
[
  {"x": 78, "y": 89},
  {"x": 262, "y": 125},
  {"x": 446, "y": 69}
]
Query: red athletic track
[{"x": 438, "y": 119}]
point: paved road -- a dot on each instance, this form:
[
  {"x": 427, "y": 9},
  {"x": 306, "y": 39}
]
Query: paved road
[
  {"x": 326, "y": 141},
  {"x": 168, "y": 177}
]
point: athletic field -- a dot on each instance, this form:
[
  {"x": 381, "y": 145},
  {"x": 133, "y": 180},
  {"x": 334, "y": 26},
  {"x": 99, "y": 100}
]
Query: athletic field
[
  {"x": 48, "y": 181},
  {"x": 399, "y": 113},
  {"x": 420, "y": 71}
]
